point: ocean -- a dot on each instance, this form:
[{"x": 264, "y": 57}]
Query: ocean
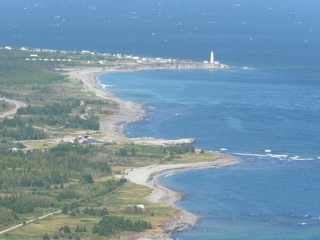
[
  {"x": 265, "y": 110},
  {"x": 247, "y": 114}
]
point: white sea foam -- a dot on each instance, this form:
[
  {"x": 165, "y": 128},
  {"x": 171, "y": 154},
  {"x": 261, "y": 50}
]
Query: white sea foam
[
  {"x": 302, "y": 159},
  {"x": 251, "y": 154},
  {"x": 223, "y": 149},
  {"x": 105, "y": 86},
  {"x": 279, "y": 156}
]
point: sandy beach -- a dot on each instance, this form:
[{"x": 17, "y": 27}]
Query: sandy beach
[
  {"x": 150, "y": 175},
  {"x": 113, "y": 127}
]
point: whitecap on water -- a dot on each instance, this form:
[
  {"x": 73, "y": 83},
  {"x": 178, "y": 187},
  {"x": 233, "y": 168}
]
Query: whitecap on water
[
  {"x": 251, "y": 154},
  {"x": 280, "y": 156}
]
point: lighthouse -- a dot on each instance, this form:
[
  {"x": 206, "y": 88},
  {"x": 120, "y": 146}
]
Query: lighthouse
[{"x": 212, "y": 58}]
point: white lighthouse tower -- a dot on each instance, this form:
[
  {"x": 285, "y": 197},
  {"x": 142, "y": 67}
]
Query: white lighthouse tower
[{"x": 212, "y": 58}]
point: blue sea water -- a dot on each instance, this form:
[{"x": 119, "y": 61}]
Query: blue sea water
[
  {"x": 269, "y": 101},
  {"x": 275, "y": 195}
]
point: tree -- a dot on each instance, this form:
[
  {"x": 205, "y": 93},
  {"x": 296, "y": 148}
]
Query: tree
[
  {"x": 87, "y": 178},
  {"x": 46, "y": 237},
  {"x": 202, "y": 151},
  {"x": 64, "y": 209},
  {"x": 55, "y": 236},
  {"x": 66, "y": 229}
]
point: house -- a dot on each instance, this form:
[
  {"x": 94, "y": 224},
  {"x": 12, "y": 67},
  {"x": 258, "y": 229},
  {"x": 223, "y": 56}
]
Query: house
[{"x": 85, "y": 52}]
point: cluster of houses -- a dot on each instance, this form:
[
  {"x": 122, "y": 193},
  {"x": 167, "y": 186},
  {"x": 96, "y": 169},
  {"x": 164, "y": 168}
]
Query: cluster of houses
[
  {"x": 34, "y": 57},
  {"x": 127, "y": 59},
  {"x": 74, "y": 140}
]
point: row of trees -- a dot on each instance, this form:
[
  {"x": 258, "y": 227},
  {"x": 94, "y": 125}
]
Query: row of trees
[
  {"x": 96, "y": 212},
  {"x": 23, "y": 133},
  {"x": 111, "y": 224},
  {"x": 17, "y": 129},
  {"x": 91, "y": 123},
  {"x": 48, "y": 109},
  {"x": 27, "y": 202}
]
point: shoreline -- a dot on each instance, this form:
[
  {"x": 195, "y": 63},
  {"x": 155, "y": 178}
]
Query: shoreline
[
  {"x": 150, "y": 176},
  {"x": 113, "y": 128}
]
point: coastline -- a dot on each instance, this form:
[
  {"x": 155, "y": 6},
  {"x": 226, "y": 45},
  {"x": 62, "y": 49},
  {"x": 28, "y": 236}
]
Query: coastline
[
  {"x": 150, "y": 176},
  {"x": 113, "y": 128}
]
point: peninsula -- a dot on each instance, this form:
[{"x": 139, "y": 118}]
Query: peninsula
[{"x": 142, "y": 161}]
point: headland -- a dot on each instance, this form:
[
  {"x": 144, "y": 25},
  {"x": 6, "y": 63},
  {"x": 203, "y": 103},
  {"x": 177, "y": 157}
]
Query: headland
[{"x": 113, "y": 128}]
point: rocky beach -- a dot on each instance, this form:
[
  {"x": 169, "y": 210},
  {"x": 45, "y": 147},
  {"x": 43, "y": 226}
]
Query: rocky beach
[{"x": 113, "y": 127}]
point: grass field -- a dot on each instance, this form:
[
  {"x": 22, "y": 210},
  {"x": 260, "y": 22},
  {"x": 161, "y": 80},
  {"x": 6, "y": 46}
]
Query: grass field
[{"x": 116, "y": 202}]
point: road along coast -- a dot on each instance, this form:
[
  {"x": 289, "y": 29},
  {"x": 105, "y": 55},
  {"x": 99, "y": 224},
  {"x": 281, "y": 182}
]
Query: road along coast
[{"x": 113, "y": 127}]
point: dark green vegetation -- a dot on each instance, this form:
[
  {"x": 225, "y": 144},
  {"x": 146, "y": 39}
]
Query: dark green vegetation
[
  {"x": 15, "y": 69},
  {"x": 111, "y": 224},
  {"x": 55, "y": 107},
  {"x": 64, "y": 115},
  {"x": 5, "y": 106},
  {"x": 76, "y": 179},
  {"x": 7, "y": 215},
  {"x": 33, "y": 174}
]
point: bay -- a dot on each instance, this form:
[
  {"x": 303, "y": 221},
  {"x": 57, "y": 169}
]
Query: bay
[{"x": 269, "y": 101}]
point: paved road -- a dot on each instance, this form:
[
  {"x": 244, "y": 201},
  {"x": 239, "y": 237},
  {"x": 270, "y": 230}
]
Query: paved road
[
  {"x": 13, "y": 111},
  {"x": 30, "y": 221}
]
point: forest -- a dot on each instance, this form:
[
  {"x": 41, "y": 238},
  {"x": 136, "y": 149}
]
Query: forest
[
  {"x": 112, "y": 224},
  {"x": 85, "y": 182}
]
